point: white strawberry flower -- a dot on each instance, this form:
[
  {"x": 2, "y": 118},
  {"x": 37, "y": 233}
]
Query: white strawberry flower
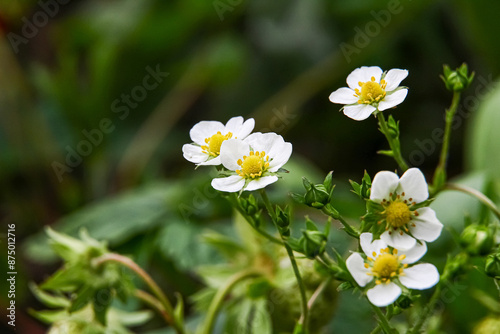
[
  {"x": 208, "y": 136},
  {"x": 397, "y": 196},
  {"x": 385, "y": 270},
  {"x": 370, "y": 89},
  {"x": 255, "y": 161}
]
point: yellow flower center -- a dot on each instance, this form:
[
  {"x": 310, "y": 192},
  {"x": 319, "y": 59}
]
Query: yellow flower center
[
  {"x": 214, "y": 143},
  {"x": 397, "y": 214},
  {"x": 371, "y": 91},
  {"x": 386, "y": 266},
  {"x": 254, "y": 165}
]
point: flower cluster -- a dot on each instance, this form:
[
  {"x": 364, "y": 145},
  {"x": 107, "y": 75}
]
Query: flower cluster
[
  {"x": 250, "y": 161},
  {"x": 404, "y": 223}
]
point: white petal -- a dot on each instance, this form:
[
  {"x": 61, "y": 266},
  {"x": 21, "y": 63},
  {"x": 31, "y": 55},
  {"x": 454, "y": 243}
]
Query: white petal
[
  {"x": 264, "y": 141},
  {"x": 356, "y": 266},
  {"x": 234, "y": 124},
  {"x": 368, "y": 246},
  {"x": 363, "y": 74},
  {"x": 365, "y": 241},
  {"x": 427, "y": 226},
  {"x": 384, "y": 183},
  {"x": 398, "y": 241},
  {"x": 413, "y": 184},
  {"x": 193, "y": 153},
  {"x": 415, "y": 253},
  {"x": 243, "y": 130},
  {"x": 261, "y": 182},
  {"x": 392, "y": 100},
  {"x": 230, "y": 184},
  {"x": 212, "y": 162},
  {"x": 383, "y": 294},
  {"x": 280, "y": 157},
  {"x": 231, "y": 150},
  {"x": 394, "y": 78},
  {"x": 421, "y": 276},
  {"x": 343, "y": 95},
  {"x": 359, "y": 112},
  {"x": 205, "y": 129}
]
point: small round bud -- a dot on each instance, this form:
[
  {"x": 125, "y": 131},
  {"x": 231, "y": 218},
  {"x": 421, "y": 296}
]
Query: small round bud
[{"x": 477, "y": 239}]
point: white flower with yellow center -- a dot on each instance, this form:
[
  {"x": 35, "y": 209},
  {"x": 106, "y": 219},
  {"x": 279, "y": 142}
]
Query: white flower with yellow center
[
  {"x": 398, "y": 196},
  {"x": 370, "y": 89},
  {"x": 254, "y": 161},
  {"x": 386, "y": 269},
  {"x": 208, "y": 136}
]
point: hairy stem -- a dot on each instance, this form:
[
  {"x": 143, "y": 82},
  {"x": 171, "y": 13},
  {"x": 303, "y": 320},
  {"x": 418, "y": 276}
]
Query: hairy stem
[
  {"x": 440, "y": 173},
  {"x": 393, "y": 143},
  {"x": 125, "y": 261},
  {"x": 383, "y": 321},
  {"x": 304, "y": 319},
  {"x": 477, "y": 194}
]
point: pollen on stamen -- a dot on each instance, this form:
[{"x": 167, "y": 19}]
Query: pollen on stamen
[
  {"x": 410, "y": 199},
  {"x": 416, "y": 213},
  {"x": 369, "y": 259},
  {"x": 239, "y": 162},
  {"x": 373, "y": 78},
  {"x": 374, "y": 254},
  {"x": 403, "y": 193},
  {"x": 401, "y": 232},
  {"x": 395, "y": 252},
  {"x": 378, "y": 282},
  {"x": 367, "y": 265},
  {"x": 402, "y": 257}
]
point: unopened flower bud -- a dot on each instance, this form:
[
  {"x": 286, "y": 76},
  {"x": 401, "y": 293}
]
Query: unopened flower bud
[
  {"x": 458, "y": 80},
  {"x": 492, "y": 266},
  {"x": 477, "y": 239}
]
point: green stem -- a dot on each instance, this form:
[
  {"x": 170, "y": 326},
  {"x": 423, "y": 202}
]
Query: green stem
[
  {"x": 427, "y": 311},
  {"x": 440, "y": 173},
  {"x": 304, "y": 319},
  {"x": 347, "y": 227},
  {"x": 221, "y": 294},
  {"x": 153, "y": 302},
  {"x": 384, "y": 322},
  {"x": 149, "y": 282},
  {"x": 393, "y": 143},
  {"x": 251, "y": 221},
  {"x": 477, "y": 194}
]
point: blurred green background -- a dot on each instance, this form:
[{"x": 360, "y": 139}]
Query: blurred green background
[{"x": 97, "y": 99}]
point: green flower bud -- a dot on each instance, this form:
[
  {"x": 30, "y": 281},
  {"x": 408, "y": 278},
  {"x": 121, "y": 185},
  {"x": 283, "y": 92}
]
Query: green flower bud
[
  {"x": 477, "y": 239},
  {"x": 492, "y": 266},
  {"x": 313, "y": 243},
  {"x": 317, "y": 196},
  {"x": 458, "y": 80},
  {"x": 283, "y": 220}
]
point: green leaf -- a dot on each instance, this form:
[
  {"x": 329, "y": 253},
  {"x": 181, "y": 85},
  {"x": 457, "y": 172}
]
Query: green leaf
[
  {"x": 483, "y": 143},
  {"x": 48, "y": 299},
  {"x": 225, "y": 245},
  {"x": 179, "y": 309},
  {"x": 83, "y": 297},
  {"x": 115, "y": 219},
  {"x": 261, "y": 322},
  {"x": 100, "y": 304}
]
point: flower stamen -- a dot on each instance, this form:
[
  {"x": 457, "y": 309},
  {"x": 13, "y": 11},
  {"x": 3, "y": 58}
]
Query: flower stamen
[
  {"x": 253, "y": 165},
  {"x": 214, "y": 143}
]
